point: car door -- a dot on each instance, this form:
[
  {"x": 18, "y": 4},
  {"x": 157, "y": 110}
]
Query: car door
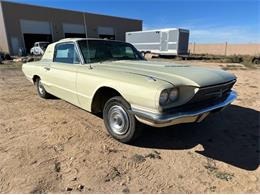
[{"x": 61, "y": 74}]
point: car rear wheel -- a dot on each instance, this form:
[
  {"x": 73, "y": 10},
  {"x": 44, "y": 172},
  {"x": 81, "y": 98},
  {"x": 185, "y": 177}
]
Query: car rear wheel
[
  {"x": 41, "y": 90},
  {"x": 119, "y": 122}
]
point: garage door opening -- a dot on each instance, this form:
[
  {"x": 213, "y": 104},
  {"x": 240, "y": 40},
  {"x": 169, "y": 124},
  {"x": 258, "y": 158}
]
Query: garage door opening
[
  {"x": 109, "y": 37},
  {"x": 75, "y": 35},
  {"x": 30, "y": 39},
  {"x": 106, "y": 33}
]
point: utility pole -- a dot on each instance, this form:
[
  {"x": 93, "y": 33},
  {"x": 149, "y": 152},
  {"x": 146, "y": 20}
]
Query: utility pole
[{"x": 85, "y": 25}]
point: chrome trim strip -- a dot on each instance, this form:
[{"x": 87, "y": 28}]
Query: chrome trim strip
[
  {"x": 167, "y": 118},
  {"x": 219, "y": 85},
  {"x": 82, "y": 61}
]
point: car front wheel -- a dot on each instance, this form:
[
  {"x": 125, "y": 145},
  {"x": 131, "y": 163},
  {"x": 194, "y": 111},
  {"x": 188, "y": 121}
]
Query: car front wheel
[
  {"x": 41, "y": 90},
  {"x": 120, "y": 123}
]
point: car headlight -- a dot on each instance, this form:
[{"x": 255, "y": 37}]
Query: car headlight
[
  {"x": 168, "y": 96},
  {"x": 173, "y": 94},
  {"x": 164, "y": 97}
]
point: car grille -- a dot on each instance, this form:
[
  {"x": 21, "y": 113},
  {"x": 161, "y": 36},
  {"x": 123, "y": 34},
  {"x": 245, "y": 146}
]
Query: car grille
[
  {"x": 206, "y": 96},
  {"x": 212, "y": 92}
]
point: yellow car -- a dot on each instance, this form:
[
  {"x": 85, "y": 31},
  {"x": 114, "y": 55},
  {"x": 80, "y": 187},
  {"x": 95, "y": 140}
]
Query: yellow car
[{"x": 112, "y": 78}]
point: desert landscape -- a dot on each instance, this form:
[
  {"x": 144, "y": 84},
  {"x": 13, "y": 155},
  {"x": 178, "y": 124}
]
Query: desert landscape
[{"x": 51, "y": 146}]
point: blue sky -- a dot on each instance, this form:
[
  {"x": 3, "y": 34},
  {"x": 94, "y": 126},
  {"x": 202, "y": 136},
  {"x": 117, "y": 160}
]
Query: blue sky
[{"x": 212, "y": 21}]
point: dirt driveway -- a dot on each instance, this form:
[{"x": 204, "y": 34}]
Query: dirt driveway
[{"x": 51, "y": 146}]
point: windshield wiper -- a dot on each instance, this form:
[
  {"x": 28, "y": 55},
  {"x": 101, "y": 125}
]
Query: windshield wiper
[
  {"x": 107, "y": 60},
  {"x": 112, "y": 59},
  {"x": 126, "y": 58}
]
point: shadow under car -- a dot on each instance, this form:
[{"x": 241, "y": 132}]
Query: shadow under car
[{"x": 231, "y": 136}]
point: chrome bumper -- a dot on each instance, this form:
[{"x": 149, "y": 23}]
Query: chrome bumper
[{"x": 162, "y": 120}]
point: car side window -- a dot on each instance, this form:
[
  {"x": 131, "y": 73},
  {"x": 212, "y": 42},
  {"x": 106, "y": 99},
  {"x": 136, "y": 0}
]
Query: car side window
[
  {"x": 66, "y": 53},
  {"x": 129, "y": 52}
]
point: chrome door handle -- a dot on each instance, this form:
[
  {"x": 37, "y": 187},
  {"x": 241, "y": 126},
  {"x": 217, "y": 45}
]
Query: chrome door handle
[{"x": 46, "y": 68}]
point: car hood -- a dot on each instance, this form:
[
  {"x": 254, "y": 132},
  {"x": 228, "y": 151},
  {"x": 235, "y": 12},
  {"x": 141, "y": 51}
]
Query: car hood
[{"x": 176, "y": 74}]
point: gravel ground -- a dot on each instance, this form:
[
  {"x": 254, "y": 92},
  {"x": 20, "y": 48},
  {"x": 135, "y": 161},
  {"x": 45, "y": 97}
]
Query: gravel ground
[{"x": 51, "y": 146}]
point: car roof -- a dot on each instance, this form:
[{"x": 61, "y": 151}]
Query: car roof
[
  {"x": 48, "y": 55},
  {"x": 80, "y": 39},
  {"x": 41, "y": 42}
]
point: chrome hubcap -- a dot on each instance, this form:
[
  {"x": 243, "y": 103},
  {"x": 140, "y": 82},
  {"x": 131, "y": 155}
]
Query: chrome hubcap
[
  {"x": 41, "y": 89},
  {"x": 118, "y": 120}
]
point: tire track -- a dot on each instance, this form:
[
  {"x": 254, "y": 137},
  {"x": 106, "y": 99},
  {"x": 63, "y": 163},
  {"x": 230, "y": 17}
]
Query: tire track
[{"x": 143, "y": 169}]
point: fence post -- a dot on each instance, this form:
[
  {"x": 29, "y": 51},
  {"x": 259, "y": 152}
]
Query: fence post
[{"x": 226, "y": 48}]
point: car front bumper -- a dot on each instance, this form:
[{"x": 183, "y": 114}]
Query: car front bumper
[{"x": 196, "y": 115}]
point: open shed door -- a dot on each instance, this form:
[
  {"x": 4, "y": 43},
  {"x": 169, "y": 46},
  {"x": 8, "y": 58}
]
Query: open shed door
[
  {"x": 35, "y": 31},
  {"x": 74, "y": 30},
  {"x": 106, "y": 33}
]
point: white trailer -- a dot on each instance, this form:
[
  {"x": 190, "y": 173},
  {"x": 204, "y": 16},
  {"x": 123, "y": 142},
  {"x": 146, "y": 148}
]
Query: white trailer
[{"x": 173, "y": 41}]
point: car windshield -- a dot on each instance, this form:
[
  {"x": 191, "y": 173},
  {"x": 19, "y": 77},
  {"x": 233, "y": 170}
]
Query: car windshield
[
  {"x": 102, "y": 50},
  {"x": 43, "y": 45}
]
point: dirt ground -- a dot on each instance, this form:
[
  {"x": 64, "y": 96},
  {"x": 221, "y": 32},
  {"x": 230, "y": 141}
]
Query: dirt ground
[{"x": 51, "y": 146}]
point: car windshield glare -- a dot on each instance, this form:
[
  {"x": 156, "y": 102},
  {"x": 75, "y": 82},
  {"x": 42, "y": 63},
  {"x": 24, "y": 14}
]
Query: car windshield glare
[{"x": 102, "y": 50}]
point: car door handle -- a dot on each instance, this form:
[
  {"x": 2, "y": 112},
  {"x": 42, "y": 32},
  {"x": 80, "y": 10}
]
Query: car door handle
[{"x": 46, "y": 68}]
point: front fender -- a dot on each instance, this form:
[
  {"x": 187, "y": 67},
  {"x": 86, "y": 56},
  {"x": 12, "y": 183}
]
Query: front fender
[
  {"x": 139, "y": 96},
  {"x": 140, "y": 91}
]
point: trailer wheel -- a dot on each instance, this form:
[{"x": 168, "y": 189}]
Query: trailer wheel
[{"x": 256, "y": 60}]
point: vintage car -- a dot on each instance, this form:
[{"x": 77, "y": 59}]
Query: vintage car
[
  {"x": 39, "y": 48},
  {"x": 112, "y": 78}
]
